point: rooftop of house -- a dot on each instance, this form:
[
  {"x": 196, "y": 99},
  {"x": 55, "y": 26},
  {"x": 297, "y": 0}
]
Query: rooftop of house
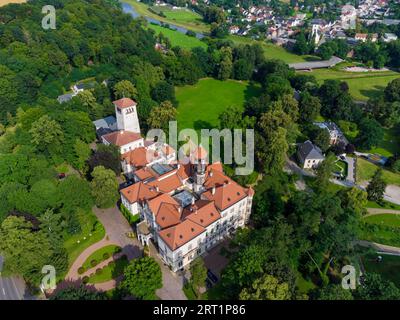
[
  {"x": 107, "y": 122},
  {"x": 124, "y": 103},
  {"x": 121, "y": 138},
  {"x": 307, "y": 150},
  {"x": 181, "y": 233}
]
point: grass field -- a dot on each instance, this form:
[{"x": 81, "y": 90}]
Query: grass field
[
  {"x": 4, "y": 2},
  {"x": 387, "y": 268},
  {"x": 389, "y": 145},
  {"x": 177, "y": 38},
  {"x": 185, "y": 16},
  {"x": 381, "y": 228},
  {"x": 383, "y": 205},
  {"x": 188, "y": 20},
  {"x": 366, "y": 169},
  {"x": 271, "y": 51},
  {"x": 362, "y": 85},
  {"x": 200, "y": 105},
  {"x": 92, "y": 232},
  {"x": 389, "y": 220}
]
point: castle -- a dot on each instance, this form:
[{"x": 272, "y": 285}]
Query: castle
[{"x": 185, "y": 207}]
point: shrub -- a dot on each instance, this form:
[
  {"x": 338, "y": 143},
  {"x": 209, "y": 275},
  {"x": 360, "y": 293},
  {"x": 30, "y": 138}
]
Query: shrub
[
  {"x": 81, "y": 270},
  {"x": 118, "y": 250},
  {"x": 93, "y": 263},
  {"x": 111, "y": 264},
  {"x": 85, "y": 279},
  {"x": 106, "y": 255},
  {"x": 99, "y": 271}
]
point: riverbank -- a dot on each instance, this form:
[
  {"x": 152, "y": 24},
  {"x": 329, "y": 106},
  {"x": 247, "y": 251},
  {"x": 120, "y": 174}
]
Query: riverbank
[{"x": 137, "y": 9}]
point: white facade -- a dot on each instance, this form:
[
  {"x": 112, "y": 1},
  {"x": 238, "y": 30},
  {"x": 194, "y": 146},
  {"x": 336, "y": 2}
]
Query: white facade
[{"x": 127, "y": 119}]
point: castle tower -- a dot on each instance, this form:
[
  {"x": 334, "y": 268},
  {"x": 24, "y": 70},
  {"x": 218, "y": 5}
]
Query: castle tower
[
  {"x": 126, "y": 113},
  {"x": 199, "y": 160}
]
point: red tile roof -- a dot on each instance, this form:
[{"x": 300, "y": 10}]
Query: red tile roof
[
  {"x": 121, "y": 138},
  {"x": 145, "y": 173},
  {"x": 168, "y": 215},
  {"x": 167, "y": 184},
  {"x": 155, "y": 203},
  {"x": 226, "y": 195},
  {"x": 139, "y": 192},
  {"x": 203, "y": 212},
  {"x": 124, "y": 103},
  {"x": 140, "y": 157},
  {"x": 180, "y": 234}
]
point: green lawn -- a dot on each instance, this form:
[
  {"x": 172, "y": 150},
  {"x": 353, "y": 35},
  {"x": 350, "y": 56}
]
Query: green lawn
[
  {"x": 383, "y": 229},
  {"x": 98, "y": 255},
  {"x": 183, "y": 19},
  {"x": 185, "y": 16},
  {"x": 366, "y": 169},
  {"x": 201, "y": 104},
  {"x": 387, "y": 268},
  {"x": 271, "y": 50},
  {"x": 92, "y": 230},
  {"x": 363, "y": 85},
  {"x": 384, "y": 219},
  {"x": 390, "y": 143},
  {"x": 177, "y": 38},
  {"x": 111, "y": 271},
  {"x": 384, "y": 205}
]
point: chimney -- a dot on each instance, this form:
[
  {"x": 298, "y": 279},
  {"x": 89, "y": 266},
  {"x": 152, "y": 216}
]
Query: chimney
[
  {"x": 193, "y": 200},
  {"x": 157, "y": 188},
  {"x": 211, "y": 173},
  {"x": 213, "y": 190}
]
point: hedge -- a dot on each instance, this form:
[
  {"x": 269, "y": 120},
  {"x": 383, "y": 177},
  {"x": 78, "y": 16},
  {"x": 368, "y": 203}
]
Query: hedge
[{"x": 132, "y": 219}]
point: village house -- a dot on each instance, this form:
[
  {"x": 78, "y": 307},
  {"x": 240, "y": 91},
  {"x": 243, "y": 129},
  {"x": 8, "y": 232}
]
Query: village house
[
  {"x": 335, "y": 134},
  {"x": 309, "y": 155}
]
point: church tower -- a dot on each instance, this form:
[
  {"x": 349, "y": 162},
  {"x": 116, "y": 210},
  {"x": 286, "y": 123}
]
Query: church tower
[
  {"x": 126, "y": 113},
  {"x": 315, "y": 33}
]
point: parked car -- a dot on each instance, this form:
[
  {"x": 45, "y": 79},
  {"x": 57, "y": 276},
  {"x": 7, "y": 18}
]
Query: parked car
[
  {"x": 61, "y": 176},
  {"x": 212, "y": 276},
  {"x": 209, "y": 284}
]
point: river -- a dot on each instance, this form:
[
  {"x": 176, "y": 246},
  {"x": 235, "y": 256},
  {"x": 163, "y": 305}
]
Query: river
[{"x": 127, "y": 8}]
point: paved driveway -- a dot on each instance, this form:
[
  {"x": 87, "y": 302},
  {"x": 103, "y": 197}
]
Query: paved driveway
[
  {"x": 172, "y": 282},
  {"x": 116, "y": 227}
]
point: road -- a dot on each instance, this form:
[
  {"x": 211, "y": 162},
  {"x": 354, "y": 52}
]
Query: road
[
  {"x": 12, "y": 288},
  {"x": 291, "y": 166}
]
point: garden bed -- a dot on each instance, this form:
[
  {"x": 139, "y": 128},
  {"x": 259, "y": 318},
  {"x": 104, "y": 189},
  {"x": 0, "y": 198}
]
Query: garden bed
[
  {"x": 99, "y": 256},
  {"x": 112, "y": 271}
]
